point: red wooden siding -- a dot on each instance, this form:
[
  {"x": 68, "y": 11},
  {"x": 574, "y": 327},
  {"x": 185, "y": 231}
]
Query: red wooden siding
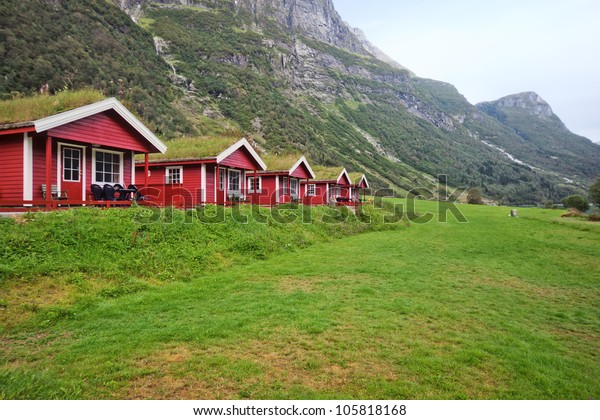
[
  {"x": 210, "y": 183},
  {"x": 267, "y": 195},
  {"x": 187, "y": 194},
  {"x": 241, "y": 159},
  {"x": 107, "y": 129},
  {"x": 39, "y": 165},
  {"x": 320, "y": 196},
  {"x": 11, "y": 172},
  {"x": 344, "y": 181},
  {"x": 301, "y": 172}
]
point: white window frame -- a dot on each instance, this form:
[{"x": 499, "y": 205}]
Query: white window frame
[
  {"x": 79, "y": 173},
  {"x": 121, "y": 167},
  {"x": 286, "y": 186},
  {"x": 312, "y": 187},
  {"x": 240, "y": 181},
  {"x": 294, "y": 191},
  {"x": 251, "y": 184},
  {"x": 168, "y": 170},
  {"x": 222, "y": 179}
]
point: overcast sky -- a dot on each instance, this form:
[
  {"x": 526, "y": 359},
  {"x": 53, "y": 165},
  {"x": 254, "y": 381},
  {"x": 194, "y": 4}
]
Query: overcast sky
[{"x": 493, "y": 48}]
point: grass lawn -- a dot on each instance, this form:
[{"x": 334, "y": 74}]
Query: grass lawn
[{"x": 498, "y": 307}]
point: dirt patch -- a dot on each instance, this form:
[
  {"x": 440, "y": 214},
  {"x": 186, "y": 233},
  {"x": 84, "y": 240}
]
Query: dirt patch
[
  {"x": 290, "y": 284},
  {"x": 254, "y": 368}
]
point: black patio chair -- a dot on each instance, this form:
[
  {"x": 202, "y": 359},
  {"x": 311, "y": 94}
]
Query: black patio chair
[
  {"x": 97, "y": 192},
  {"x": 109, "y": 192},
  {"x": 121, "y": 196},
  {"x": 137, "y": 196}
]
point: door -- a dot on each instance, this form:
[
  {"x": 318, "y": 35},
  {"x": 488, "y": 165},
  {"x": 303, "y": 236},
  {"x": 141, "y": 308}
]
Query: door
[{"x": 72, "y": 173}]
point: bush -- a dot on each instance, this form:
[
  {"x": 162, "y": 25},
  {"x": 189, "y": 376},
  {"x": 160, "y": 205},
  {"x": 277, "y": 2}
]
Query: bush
[
  {"x": 577, "y": 202},
  {"x": 595, "y": 192},
  {"x": 474, "y": 196}
]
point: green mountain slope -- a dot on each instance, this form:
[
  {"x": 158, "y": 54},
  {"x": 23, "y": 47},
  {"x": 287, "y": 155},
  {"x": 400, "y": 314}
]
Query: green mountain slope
[
  {"x": 291, "y": 75},
  {"x": 533, "y": 120}
]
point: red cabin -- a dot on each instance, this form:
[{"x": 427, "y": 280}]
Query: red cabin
[
  {"x": 55, "y": 160},
  {"x": 219, "y": 177},
  {"x": 326, "y": 189},
  {"x": 360, "y": 187},
  {"x": 282, "y": 183}
]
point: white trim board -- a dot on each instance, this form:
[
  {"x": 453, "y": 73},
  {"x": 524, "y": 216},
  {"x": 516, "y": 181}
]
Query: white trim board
[
  {"x": 241, "y": 143},
  {"x": 300, "y": 161},
  {"x": 67, "y": 117}
]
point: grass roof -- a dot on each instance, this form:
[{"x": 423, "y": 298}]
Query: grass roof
[
  {"x": 280, "y": 162},
  {"x": 355, "y": 177},
  {"x": 33, "y": 108},
  {"x": 194, "y": 148},
  {"x": 326, "y": 172}
]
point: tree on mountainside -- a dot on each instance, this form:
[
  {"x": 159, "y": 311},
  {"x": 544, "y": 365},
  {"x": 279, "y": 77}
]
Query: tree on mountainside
[{"x": 595, "y": 192}]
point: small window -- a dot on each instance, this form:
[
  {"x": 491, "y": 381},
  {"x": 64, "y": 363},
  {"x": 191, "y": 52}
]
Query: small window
[
  {"x": 221, "y": 179},
  {"x": 285, "y": 186},
  {"x": 71, "y": 164},
  {"x": 174, "y": 175},
  {"x": 251, "y": 184},
  {"x": 234, "y": 181},
  {"x": 312, "y": 190},
  {"x": 294, "y": 187},
  {"x": 108, "y": 168}
]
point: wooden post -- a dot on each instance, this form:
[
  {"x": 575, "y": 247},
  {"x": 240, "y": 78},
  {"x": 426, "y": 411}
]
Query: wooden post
[
  {"x": 49, "y": 172},
  {"x": 255, "y": 189},
  {"x": 146, "y": 170},
  {"x": 218, "y": 183}
]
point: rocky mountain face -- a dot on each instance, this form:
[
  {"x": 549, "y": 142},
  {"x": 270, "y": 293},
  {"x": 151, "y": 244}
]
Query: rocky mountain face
[
  {"x": 528, "y": 101},
  {"x": 292, "y": 75}
]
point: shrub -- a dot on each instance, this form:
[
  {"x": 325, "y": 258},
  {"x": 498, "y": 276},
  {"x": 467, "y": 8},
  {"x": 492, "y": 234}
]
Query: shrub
[
  {"x": 577, "y": 202},
  {"x": 595, "y": 192},
  {"x": 474, "y": 196}
]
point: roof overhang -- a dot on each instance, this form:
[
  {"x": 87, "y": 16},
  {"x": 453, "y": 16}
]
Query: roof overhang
[
  {"x": 237, "y": 145},
  {"x": 301, "y": 161},
  {"x": 67, "y": 117}
]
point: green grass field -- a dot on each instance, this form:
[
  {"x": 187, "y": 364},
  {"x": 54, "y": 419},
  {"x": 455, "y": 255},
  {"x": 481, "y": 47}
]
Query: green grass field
[{"x": 496, "y": 308}]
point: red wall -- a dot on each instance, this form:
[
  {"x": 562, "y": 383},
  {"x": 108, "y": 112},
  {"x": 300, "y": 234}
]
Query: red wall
[
  {"x": 320, "y": 196},
  {"x": 241, "y": 159},
  {"x": 301, "y": 172},
  {"x": 39, "y": 165},
  {"x": 107, "y": 129},
  {"x": 344, "y": 181},
  {"x": 210, "y": 183},
  {"x": 188, "y": 194},
  {"x": 11, "y": 168}
]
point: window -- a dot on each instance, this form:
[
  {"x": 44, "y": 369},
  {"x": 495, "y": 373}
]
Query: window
[
  {"x": 234, "y": 181},
  {"x": 71, "y": 162},
  {"x": 285, "y": 186},
  {"x": 221, "y": 179},
  {"x": 174, "y": 175},
  {"x": 294, "y": 187},
  {"x": 251, "y": 184},
  {"x": 334, "y": 192},
  {"x": 312, "y": 190},
  {"x": 107, "y": 167}
]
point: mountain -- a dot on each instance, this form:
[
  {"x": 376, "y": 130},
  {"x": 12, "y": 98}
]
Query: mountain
[
  {"x": 292, "y": 75},
  {"x": 532, "y": 118}
]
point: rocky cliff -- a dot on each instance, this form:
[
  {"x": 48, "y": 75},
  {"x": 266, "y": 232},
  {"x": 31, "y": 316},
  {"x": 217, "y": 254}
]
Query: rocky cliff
[{"x": 529, "y": 101}]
